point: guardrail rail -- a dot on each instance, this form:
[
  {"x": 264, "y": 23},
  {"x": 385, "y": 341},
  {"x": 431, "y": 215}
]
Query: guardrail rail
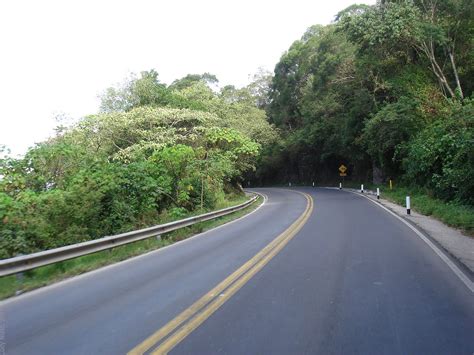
[{"x": 32, "y": 261}]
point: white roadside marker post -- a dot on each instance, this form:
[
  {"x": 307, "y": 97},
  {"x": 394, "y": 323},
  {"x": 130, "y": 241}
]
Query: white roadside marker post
[
  {"x": 340, "y": 186},
  {"x": 289, "y": 184},
  {"x": 362, "y": 188},
  {"x": 378, "y": 193},
  {"x": 313, "y": 183},
  {"x": 408, "y": 205}
]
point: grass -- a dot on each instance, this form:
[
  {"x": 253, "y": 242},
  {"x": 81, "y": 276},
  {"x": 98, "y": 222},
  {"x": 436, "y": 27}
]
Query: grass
[
  {"x": 46, "y": 275},
  {"x": 451, "y": 213}
]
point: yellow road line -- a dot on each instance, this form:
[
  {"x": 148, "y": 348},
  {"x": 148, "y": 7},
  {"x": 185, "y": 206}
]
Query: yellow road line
[
  {"x": 211, "y": 301},
  {"x": 190, "y": 326}
]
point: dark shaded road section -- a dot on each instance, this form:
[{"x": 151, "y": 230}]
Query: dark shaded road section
[{"x": 354, "y": 280}]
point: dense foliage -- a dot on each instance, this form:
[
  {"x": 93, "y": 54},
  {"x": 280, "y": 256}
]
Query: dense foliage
[
  {"x": 155, "y": 152},
  {"x": 384, "y": 90}
]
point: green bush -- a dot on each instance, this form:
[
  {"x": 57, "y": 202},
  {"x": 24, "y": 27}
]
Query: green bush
[
  {"x": 441, "y": 157},
  {"x": 392, "y": 126},
  {"x": 117, "y": 172}
]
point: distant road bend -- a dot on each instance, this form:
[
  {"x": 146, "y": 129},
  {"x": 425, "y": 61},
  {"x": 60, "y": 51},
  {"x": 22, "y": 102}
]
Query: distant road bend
[{"x": 312, "y": 271}]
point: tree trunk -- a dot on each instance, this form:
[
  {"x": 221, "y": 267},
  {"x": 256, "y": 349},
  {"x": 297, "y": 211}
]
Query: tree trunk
[
  {"x": 456, "y": 76},
  {"x": 428, "y": 50}
]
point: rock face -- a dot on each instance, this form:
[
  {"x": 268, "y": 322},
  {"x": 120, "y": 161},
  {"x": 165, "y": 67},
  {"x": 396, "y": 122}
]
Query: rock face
[{"x": 377, "y": 175}]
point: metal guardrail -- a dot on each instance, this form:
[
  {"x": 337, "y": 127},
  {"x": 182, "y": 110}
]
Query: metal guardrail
[{"x": 32, "y": 261}]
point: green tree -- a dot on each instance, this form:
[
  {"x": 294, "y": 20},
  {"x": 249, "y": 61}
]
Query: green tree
[
  {"x": 190, "y": 79},
  {"x": 146, "y": 90},
  {"x": 433, "y": 30}
]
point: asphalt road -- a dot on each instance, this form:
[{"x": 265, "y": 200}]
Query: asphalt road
[{"x": 352, "y": 280}]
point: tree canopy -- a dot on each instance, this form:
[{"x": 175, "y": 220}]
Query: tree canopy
[
  {"x": 153, "y": 150},
  {"x": 386, "y": 90},
  {"x": 368, "y": 90}
]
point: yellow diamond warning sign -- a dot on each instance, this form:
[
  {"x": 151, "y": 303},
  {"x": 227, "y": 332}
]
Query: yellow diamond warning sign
[{"x": 342, "y": 168}]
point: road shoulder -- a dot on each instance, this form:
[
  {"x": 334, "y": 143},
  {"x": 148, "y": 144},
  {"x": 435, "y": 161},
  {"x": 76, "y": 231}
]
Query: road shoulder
[{"x": 458, "y": 245}]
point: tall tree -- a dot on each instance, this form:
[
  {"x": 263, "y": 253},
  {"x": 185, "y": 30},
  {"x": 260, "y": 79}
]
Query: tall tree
[
  {"x": 437, "y": 31},
  {"x": 190, "y": 79}
]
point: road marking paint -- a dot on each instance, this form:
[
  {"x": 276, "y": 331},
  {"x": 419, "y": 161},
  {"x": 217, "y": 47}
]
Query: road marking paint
[
  {"x": 457, "y": 271},
  {"x": 203, "y": 308},
  {"x": 198, "y": 319}
]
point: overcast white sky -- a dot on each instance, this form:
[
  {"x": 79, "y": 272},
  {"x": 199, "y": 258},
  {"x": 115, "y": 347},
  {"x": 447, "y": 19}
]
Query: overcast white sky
[{"x": 58, "y": 56}]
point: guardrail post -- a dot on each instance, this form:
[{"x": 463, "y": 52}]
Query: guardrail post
[{"x": 20, "y": 276}]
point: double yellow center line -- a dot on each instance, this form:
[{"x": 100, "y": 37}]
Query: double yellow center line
[{"x": 171, "y": 334}]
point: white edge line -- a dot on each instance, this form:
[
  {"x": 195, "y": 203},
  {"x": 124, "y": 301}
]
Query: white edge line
[
  {"x": 120, "y": 263},
  {"x": 459, "y": 273}
]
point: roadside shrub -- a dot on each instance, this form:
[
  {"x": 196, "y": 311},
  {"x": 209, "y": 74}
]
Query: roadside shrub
[
  {"x": 441, "y": 157},
  {"x": 392, "y": 126}
]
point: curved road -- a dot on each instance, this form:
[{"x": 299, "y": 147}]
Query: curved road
[{"x": 344, "y": 277}]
